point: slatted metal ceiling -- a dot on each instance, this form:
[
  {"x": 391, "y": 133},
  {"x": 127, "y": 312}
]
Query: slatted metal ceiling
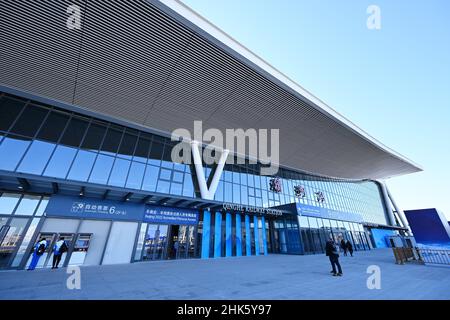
[{"x": 134, "y": 62}]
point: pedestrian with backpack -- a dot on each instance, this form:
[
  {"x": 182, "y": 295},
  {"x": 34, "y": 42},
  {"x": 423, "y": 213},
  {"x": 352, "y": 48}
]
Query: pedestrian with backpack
[
  {"x": 39, "y": 250},
  {"x": 58, "y": 249}
]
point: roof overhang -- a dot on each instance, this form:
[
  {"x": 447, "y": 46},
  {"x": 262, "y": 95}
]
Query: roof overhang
[{"x": 158, "y": 64}]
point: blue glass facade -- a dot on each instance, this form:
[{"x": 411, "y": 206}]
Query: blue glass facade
[
  {"x": 53, "y": 143},
  {"x": 42, "y": 141}
]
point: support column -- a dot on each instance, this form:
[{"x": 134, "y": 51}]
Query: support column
[
  {"x": 206, "y": 234},
  {"x": 218, "y": 235},
  {"x": 228, "y": 244},
  {"x": 238, "y": 235},
  {"x": 255, "y": 228},
  {"x": 248, "y": 239},
  {"x": 263, "y": 221},
  {"x": 390, "y": 214},
  {"x": 400, "y": 212}
]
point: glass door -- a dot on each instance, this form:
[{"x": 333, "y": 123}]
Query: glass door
[
  {"x": 12, "y": 233},
  {"x": 191, "y": 242},
  {"x": 182, "y": 243},
  {"x": 155, "y": 247}
]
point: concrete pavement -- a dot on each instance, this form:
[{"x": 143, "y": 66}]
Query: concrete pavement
[{"x": 271, "y": 277}]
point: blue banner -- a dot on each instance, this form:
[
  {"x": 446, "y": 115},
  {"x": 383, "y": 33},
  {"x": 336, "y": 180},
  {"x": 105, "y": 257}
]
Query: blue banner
[
  {"x": 319, "y": 212},
  {"x": 154, "y": 214},
  {"x": 78, "y": 207}
]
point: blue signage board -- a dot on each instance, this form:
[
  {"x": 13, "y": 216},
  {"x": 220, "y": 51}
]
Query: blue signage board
[
  {"x": 67, "y": 206},
  {"x": 320, "y": 212},
  {"x": 155, "y": 214}
]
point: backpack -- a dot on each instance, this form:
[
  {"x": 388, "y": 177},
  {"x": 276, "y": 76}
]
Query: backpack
[
  {"x": 41, "y": 249},
  {"x": 63, "y": 248},
  {"x": 335, "y": 250}
]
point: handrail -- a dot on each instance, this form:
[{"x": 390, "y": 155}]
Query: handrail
[{"x": 422, "y": 255}]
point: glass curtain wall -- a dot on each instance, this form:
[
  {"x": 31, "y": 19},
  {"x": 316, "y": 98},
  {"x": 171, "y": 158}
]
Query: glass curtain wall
[
  {"x": 19, "y": 217},
  {"x": 46, "y": 141}
]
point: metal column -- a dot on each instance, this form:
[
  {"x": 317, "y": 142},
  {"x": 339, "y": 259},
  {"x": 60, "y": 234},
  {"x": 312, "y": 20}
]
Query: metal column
[{"x": 400, "y": 212}]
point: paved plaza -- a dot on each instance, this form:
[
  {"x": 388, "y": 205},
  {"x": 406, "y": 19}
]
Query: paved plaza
[{"x": 271, "y": 277}]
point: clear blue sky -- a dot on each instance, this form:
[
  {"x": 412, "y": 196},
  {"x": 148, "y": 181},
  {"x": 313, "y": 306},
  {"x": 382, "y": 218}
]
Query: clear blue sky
[{"x": 394, "y": 83}]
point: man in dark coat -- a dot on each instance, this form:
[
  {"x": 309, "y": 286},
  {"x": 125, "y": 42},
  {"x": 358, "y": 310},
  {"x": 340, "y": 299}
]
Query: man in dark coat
[
  {"x": 344, "y": 247},
  {"x": 331, "y": 250},
  {"x": 349, "y": 247}
]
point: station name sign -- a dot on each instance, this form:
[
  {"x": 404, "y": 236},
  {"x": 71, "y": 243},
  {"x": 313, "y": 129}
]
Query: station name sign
[{"x": 252, "y": 209}]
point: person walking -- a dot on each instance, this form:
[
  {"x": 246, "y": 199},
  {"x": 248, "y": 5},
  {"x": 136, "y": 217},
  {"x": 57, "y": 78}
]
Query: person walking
[
  {"x": 349, "y": 247},
  {"x": 39, "y": 250},
  {"x": 332, "y": 251},
  {"x": 58, "y": 249},
  {"x": 344, "y": 247},
  {"x": 175, "y": 249}
]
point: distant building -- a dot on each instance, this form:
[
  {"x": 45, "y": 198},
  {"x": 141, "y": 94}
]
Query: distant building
[{"x": 430, "y": 226}]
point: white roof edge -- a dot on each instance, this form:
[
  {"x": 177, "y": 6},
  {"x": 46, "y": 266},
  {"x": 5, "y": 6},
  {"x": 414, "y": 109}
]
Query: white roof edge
[{"x": 229, "y": 41}]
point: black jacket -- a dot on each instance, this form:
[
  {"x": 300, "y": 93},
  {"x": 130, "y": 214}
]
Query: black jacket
[{"x": 330, "y": 249}]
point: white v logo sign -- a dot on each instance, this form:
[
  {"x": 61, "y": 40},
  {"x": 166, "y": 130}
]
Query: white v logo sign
[{"x": 205, "y": 192}]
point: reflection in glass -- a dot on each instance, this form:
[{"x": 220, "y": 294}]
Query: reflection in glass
[
  {"x": 136, "y": 175},
  {"x": 36, "y": 158},
  {"x": 25, "y": 242},
  {"x": 11, "y": 151},
  {"x": 60, "y": 162},
  {"x": 177, "y": 177},
  {"x": 27, "y": 205},
  {"x": 150, "y": 179},
  {"x": 165, "y": 174},
  {"x": 188, "y": 186},
  {"x": 82, "y": 166},
  {"x": 119, "y": 172},
  {"x": 163, "y": 186},
  {"x": 42, "y": 206},
  {"x": 155, "y": 242},
  {"x": 102, "y": 168},
  {"x": 176, "y": 188},
  {"x": 11, "y": 240},
  {"x": 140, "y": 242},
  {"x": 8, "y": 202}
]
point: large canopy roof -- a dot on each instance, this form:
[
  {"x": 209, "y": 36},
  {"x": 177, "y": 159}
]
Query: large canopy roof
[{"x": 158, "y": 64}]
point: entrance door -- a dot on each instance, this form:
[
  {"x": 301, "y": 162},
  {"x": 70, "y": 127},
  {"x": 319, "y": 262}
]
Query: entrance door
[
  {"x": 155, "y": 245},
  {"x": 181, "y": 252},
  {"x": 174, "y": 246},
  {"x": 186, "y": 242},
  {"x": 169, "y": 242}
]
